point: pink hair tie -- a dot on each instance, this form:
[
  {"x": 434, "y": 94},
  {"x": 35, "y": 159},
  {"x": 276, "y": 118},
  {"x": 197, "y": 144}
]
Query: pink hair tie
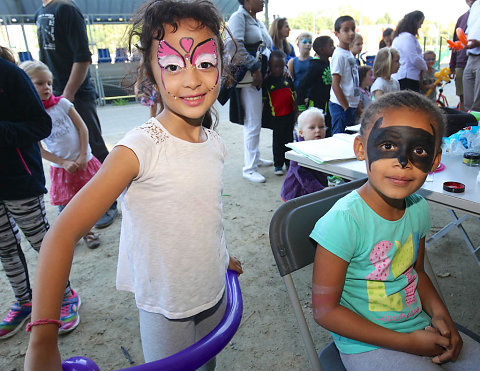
[{"x": 43, "y": 321}]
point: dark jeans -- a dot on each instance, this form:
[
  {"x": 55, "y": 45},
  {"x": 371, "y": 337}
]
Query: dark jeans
[
  {"x": 409, "y": 84},
  {"x": 341, "y": 118},
  {"x": 282, "y": 134},
  {"x": 88, "y": 111}
]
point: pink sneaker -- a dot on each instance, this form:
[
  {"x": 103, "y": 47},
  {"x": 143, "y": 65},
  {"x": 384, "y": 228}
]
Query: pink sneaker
[
  {"x": 15, "y": 319},
  {"x": 69, "y": 313}
]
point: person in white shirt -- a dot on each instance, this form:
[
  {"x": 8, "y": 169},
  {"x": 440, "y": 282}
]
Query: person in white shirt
[
  {"x": 345, "y": 91},
  {"x": 386, "y": 63},
  {"x": 411, "y": 57},
  {"x": 252, "y": 47},
  {"x": 471, "y": 79}
]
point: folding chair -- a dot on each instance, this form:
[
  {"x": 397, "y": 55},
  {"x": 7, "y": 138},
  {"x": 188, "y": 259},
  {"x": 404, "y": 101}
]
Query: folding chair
[
  {"x": 121, "y": 55},
  {"x": 104, "y": 56},
  {"x": 25, "y": 56},
  {"x": 292, "y": 248}
]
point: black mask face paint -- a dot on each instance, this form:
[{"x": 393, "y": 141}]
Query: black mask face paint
[{"x": 403, "y": 143}]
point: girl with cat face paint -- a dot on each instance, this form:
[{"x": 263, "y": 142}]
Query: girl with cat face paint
[{"x": 369, "y": 285}]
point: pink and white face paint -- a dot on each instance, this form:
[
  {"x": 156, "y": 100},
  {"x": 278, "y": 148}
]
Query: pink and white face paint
[{"x": 203, "y": 60}]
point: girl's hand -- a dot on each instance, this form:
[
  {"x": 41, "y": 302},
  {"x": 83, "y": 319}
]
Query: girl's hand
[
  {"x": 456, "y": 342},
  {"x": 82, "y": 162},
  {"x": 427, "y": 343},
  {"x": 235, "y": 264},
  {"x": 70, "y": 166}
]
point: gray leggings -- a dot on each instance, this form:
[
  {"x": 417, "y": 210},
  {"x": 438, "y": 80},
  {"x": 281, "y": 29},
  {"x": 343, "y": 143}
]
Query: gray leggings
[
  {"x": 30, "y": 216},
  {"x": 391, "y": 360},
  {"x": 162, "y": 337}
]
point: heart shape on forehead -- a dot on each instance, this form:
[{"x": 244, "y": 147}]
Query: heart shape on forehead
[{"x": 186, "y": 43}]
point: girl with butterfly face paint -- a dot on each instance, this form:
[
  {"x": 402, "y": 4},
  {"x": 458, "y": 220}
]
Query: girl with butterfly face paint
[
  {"x": 172, "y": 252},
  {"x": 369, "y": 285},
  {"x": 187, "y": 71}
]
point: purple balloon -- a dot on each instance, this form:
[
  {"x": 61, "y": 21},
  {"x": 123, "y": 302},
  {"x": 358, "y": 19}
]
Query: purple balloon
[
  {"x": 204, "y": 350},
  {"x": 195, "y": 355},
  {"x": 79, "y": 364}
]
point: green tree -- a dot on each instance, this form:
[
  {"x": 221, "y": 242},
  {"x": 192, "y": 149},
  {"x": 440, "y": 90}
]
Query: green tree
[{"x": 385, "y": 19}]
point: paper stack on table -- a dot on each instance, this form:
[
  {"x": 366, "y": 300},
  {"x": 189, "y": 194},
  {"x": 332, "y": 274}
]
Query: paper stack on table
[{"x": 338, "y": 147}]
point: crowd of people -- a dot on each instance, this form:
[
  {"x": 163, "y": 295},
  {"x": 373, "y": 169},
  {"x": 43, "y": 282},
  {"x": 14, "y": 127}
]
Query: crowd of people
[
  {"x": 300, "y": 97},
  {"x": 334, "y": 79}
]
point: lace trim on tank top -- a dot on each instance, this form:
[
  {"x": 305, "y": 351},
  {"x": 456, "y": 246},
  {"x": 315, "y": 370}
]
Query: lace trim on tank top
[
  {"x": 154, "y": 131},
  {"x": 158, "y": 135}
]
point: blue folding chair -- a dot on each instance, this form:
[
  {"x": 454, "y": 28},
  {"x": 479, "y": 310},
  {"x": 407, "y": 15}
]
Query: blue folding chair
[
  {"x": 121, "y": 55},
  {"x": 25, "y": 56},
  {"x": 369, "y": 60},
  {"x": 293, "y": 249},
  {"x": 104, "y": 56}
]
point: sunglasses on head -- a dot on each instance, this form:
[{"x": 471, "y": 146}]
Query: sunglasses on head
[{"x": 306, "y": 41}]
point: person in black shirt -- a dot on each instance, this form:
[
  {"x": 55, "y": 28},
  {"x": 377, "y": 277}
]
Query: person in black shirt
[
  {"x": 279, "y": 108},
  {"x": 23, "y": 122},
  {"x": 314, "y": 88},
  {"x": 63, "y": 42}
]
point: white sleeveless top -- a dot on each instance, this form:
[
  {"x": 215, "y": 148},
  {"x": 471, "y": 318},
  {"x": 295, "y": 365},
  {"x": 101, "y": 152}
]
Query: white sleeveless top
[{"x": 172, "y": 251}]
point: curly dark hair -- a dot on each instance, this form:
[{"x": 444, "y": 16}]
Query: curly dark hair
[
  {"x": 404, "y": 99},
  {"x": 148, "y": 25},
  {"x": 409, "y": 23}
]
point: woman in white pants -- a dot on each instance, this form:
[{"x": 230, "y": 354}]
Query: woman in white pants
[{"x": 252, "y": 40}]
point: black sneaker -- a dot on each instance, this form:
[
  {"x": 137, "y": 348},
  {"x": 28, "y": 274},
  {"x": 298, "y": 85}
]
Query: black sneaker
[{"x": 107, "y": 218}]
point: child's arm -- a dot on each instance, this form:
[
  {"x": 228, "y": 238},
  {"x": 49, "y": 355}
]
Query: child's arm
[
  {"x": 359, "y": 111},
  {"x": 77, "y": 120},
  {"x": 69, "y": 166},
  {"x": 290, "y": 68},
  {"x": 338, "y": 91},
  {"x": 56, "y": 253},
  {"x": 328, "y": 280},
  {"x": 434, "y": 306}
]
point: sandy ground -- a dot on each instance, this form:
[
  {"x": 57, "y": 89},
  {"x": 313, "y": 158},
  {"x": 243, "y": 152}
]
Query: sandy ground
[{"x": 268, "y": 337}]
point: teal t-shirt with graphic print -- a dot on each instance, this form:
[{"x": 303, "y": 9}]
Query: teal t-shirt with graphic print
[{"x": 380, "y": 282}]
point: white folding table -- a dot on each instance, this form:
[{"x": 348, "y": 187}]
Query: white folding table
[{"x": 455, "y": 170}]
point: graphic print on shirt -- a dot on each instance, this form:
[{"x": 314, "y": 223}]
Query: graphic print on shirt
[
  {"x": 46, "y": 25},
  {"x": 60, "y": 128},
  {"x": 355, "y": 78},
  {"x": 378, "y": 300},
  {"x": 327, "y": 76}
]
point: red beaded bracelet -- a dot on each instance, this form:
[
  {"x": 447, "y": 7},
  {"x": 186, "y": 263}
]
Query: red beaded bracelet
[{"x": 43, "y": 321}]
